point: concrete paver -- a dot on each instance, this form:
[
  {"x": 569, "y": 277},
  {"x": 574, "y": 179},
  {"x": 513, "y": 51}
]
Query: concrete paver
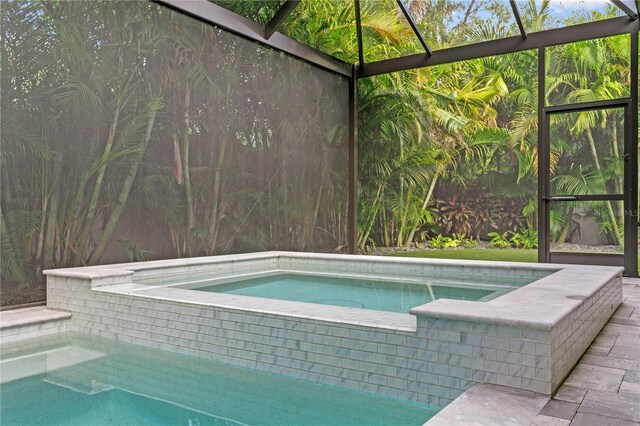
[{"x": 560, "y": 409}]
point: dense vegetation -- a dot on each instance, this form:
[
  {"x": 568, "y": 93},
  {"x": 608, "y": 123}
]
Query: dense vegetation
[
  {"x": 452, "y": 150},
  {"x": 130, "y": 132}
]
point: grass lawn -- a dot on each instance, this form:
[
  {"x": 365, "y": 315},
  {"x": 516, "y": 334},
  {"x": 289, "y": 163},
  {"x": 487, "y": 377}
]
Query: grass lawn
[{"x": 503, "y": 255}]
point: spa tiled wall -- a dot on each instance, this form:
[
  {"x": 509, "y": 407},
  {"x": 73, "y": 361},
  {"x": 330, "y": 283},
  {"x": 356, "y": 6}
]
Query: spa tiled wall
[
  {"x": 432, "y": 365},
  {"x": 572, "y": 336}
]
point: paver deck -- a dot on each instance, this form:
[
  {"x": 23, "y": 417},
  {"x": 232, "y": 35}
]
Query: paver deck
[{"x": 604, "y": 388}]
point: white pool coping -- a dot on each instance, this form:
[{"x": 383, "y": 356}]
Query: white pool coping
[
  {"x": 540, "y": 304},
  {"x": 30, "y": 316}
]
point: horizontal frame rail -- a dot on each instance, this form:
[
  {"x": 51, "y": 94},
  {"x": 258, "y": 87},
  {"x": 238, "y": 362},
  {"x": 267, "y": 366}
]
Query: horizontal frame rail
[
  {"x": 594, "y": 197},
  {"x": 587, "y": 31},
  {"x": 587, "y": 106},
  {"x": 246, "y": 28}
]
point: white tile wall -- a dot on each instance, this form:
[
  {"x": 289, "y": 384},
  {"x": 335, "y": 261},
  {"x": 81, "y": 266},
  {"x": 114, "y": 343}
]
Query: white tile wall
[
  {"x": 527, "y": 340},
  {"x": 434, "y": 364}
]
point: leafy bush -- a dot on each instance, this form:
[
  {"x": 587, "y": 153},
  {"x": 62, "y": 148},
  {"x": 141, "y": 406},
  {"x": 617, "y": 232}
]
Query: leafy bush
[
  {"x": 437, "y": 242},
  {"x": 469, "y": 244},
  {"x": 499, "y": 240},
  {"x": 464, "y": 241},
  {"x": 453, "y": 217},
  {"x": 451, "y": 242},
  {"x": 455, "y": 241},
  {"x": 526, "y": 239},
  {"x": 476, "y": 211}
]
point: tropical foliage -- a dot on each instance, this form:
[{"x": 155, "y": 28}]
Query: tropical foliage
[
  {"x": 453, "y": 148},
  {"x": 131, "y": 132}
]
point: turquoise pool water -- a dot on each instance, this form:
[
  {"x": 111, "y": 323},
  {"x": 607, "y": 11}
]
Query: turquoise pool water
[
  {"x": 96, "y": 382},
  {"x": 355, "y": 293}
]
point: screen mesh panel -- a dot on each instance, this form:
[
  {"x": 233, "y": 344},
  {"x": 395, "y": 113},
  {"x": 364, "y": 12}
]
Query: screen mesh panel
[{"x": 132, "y": 132}]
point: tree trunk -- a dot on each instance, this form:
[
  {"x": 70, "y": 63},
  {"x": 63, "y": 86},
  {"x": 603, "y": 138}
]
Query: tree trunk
[
  {"x": 93, "y": 205},
  {"x": 612, "y": 217},
  {"x": 126, "y": 188},
  {"x": 186, "y": 171},
  {"x": 12, "y": 250},
  {"x": 432, "y": 187},
  {"x": 52, "y": 216},
  {"x": 404, "y": 238},
  {"x": 217, "y": 182},
  {"x": 617, "y": 183},
  {"x": 362, "y": 240}
]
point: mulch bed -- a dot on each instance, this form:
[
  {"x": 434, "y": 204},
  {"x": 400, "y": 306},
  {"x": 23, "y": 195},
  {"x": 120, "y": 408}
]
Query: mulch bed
[{"x": 14, "y": 294}]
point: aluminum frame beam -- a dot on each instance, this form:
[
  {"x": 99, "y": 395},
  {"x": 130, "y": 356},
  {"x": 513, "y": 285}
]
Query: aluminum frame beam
[
  {"x": 282, "y": 13},
  {"x": 587, "y": 31},
  {"x": 605, "y": 259},
  {"x": 631, "y": 231},
  {"x": 544, "y": 247},
  {"x": 352, "y": 208},
  {"x": 588, "y": 106},
  {"x": 356, "y": 10},
  {"x": 246, "y": 28},
  {"x": 516, "y": 14},
  {"x": 414, "y": 27},
  {"x": 625, "y": 9}
]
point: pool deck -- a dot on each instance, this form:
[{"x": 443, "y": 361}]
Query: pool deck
[{"x": 602, "y": 390}]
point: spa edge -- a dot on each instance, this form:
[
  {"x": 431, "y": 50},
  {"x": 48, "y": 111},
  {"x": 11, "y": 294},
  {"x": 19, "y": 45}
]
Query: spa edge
[{"x": 527, "y": 340}]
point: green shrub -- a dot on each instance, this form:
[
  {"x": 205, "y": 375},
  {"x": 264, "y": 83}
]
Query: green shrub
[
  {"x": 470, "y": 244},
  {"x": 437, "y": 242},
  {"x": 499, "y": 240},
  {"x": 527, "y": 239}
]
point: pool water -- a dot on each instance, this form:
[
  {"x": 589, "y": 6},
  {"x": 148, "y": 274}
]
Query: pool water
[
  {"x": 82, "y": 381},
  {"x": 354, "y": 293}
]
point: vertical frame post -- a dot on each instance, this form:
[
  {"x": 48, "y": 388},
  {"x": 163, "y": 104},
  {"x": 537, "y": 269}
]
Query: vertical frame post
[
  {"x": 631, "y": 170},
  {"x": 356, "y": 9},
  {"x": 544, "y": 247},
  {"x": 352, "y": 210}
]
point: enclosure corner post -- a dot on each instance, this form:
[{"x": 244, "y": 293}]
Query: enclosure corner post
[
  {"x": 352, "y": 212},
  {"x": 631, "y": 178},
  {"x": 543, "y": 161}
]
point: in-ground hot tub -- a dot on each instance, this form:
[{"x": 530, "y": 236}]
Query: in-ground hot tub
[
  {"x": 525, "y": 329},
  {"x": 393, "y": 292}
]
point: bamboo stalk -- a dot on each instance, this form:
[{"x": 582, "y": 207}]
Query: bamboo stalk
[
  {"x": 185, "y": 167},
  {"x": 97, "y": 188},
  {"x": 217, "y": 183},
  {"x": 610, "y": 212},
  {"x": 105, "y": 238}
]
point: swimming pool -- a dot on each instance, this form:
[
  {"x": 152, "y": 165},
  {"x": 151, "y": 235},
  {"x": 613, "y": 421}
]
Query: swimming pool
[{"x": 82, "y": 381}]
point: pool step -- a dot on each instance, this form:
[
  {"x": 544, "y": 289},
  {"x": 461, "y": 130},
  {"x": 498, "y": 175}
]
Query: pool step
[
  {"x": 46, "y": 361},
  {"x": 28, "y": 323},
  {"x": 92, "y": 387}
]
